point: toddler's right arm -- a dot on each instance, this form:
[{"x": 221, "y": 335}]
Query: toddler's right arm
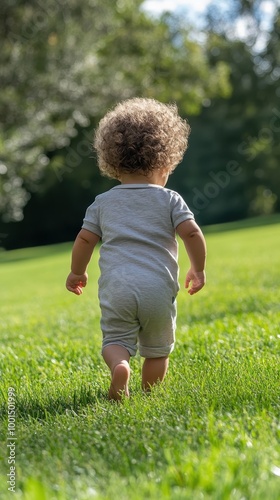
[{"x": 195, "y": 245}]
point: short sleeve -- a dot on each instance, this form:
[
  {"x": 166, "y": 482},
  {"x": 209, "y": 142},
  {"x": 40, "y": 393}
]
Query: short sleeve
[
  {"x": 179, "y": 210},
  {"x": 92, "y": 219}
]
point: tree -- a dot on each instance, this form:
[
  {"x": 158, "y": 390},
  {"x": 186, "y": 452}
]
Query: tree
[
  {"x": 65, "y": 63},
  {"x": 234, "y": 147}
]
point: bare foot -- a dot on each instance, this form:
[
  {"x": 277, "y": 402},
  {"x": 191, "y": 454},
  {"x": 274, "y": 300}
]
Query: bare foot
[{"x": 119, "y": 384}]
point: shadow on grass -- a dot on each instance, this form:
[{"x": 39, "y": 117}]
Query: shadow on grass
[
  {"x": 61, "y": 405},
  {"x": 33, "y": 252},
  {"x": 262, "y": 220}
]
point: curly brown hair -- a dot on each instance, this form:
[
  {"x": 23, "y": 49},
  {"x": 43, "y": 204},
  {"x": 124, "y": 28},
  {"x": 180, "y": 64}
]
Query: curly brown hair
[{"x": 140, "y": 135}]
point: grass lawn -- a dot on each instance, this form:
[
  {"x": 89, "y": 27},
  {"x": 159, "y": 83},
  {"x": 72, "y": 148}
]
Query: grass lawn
[{"x": 210, "y": 431}]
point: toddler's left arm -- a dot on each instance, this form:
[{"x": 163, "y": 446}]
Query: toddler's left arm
[{"x": 81, "y": 255}]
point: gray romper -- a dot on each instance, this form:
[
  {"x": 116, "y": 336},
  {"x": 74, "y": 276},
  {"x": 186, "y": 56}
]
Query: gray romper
[{"x": 138, "y": 281}]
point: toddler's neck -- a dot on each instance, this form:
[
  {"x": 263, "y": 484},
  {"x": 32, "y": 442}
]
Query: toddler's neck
[{"x": 157, "y": 177}]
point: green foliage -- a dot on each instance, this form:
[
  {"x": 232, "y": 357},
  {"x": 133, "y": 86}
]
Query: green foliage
[
  {"x": 232, "y": 166},
  {"x": 210, "y": 430},
  {"x": 65, "y": 63},
  {"x": 63, "y": 67}
]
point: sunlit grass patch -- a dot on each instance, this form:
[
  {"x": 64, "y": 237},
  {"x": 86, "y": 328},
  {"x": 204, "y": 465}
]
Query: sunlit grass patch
[{"x": 210, "y": 431}]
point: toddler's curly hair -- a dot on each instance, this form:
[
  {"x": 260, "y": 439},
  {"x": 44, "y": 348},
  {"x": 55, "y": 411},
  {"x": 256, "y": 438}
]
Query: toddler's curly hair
[{"x": 140, "y": 135}]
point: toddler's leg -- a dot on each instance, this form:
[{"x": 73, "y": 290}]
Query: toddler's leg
[
  {"x": 153, "y": 371},
  {"x": 117, "y": 359}
]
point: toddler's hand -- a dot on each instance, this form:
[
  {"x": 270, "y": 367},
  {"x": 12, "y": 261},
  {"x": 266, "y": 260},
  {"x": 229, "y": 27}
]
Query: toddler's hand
[
  {"x": 197, "y": 280},
  {"x": 76, "y": 282}
]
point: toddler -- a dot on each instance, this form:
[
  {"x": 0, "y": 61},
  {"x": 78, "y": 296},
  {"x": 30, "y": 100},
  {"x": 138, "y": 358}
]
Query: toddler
[{"x": 139, "y": 143}]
